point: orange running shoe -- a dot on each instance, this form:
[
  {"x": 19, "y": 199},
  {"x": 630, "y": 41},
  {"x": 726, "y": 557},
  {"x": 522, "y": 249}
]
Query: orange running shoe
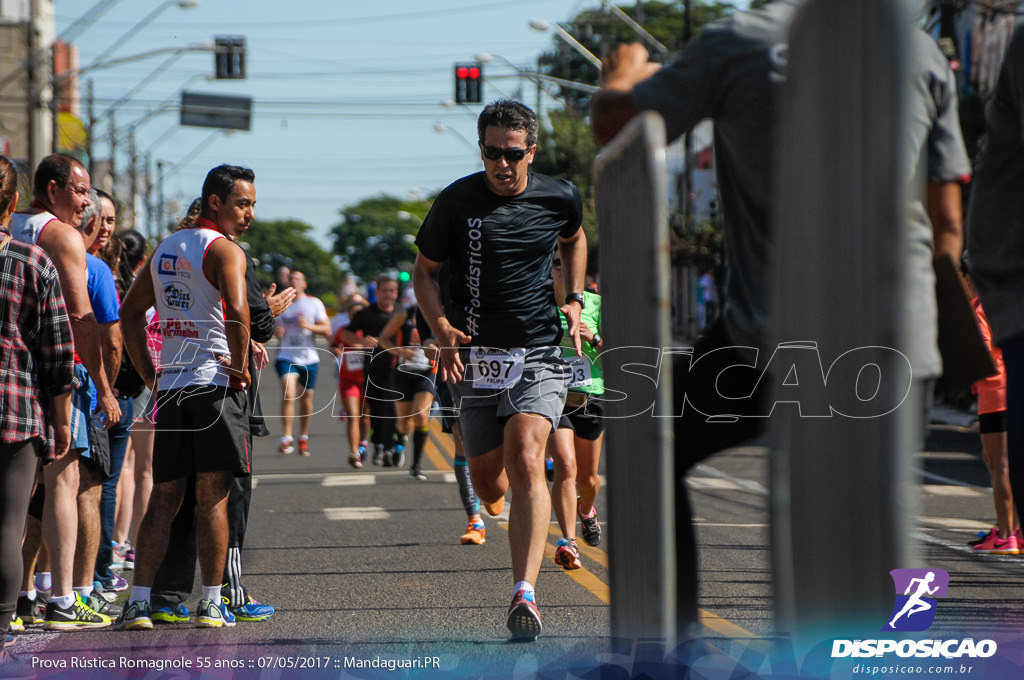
[
  {"x": 494, "y": 509},
  {"x": 475, "y": 534}
]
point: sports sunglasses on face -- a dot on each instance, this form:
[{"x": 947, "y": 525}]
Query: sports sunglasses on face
[{"x": 513, "y": 155}]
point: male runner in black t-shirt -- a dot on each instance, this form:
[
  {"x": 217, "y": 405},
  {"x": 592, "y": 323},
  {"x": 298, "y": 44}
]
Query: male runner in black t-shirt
[
  {"x": 371, "y": 320},
  {"x": 499, "y": 326}
]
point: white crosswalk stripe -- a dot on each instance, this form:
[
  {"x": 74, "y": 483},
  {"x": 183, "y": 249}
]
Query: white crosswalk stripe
[{"x": 355, "y": 514}]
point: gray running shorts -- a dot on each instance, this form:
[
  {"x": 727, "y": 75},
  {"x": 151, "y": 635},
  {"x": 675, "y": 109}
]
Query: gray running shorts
[{"x": 483, "y": 412}]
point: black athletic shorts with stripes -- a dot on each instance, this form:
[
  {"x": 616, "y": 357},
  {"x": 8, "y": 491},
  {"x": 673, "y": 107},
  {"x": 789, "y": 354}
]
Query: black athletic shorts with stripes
[{"x": 204, "y": 428}]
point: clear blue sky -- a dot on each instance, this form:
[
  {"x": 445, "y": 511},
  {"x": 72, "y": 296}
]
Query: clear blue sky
[{"x": 346, "y": 94}]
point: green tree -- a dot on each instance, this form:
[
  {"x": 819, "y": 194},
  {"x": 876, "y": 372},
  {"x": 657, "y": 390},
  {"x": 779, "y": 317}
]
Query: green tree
[
  {"x": 600, "y": 31},
  {"x": 376, "y": 235},
  {"x": 566, "y": 149},
  {"x": 288, "y": 242}
]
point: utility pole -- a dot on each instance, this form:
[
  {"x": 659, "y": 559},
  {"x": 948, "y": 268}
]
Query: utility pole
[
  {"x": 55, "y": 95},
  {"x": 687, "y": 188},
  {"x": 89, "y": 127},
  {"x": 32, "y": 85},
  {"x": 113, "y": 153},
  {"x": 160, "y": 199},
  {"x": 133, "y": 175},
  {"x": 149, "y": 197}
]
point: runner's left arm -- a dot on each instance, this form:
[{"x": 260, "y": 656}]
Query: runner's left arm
[{"x": 573, "y": 252}]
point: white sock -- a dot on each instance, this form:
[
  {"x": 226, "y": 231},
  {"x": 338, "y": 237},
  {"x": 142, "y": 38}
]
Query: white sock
[
  {"x": 527, "y": 589},
  {"x": 140, "y": 594},
  {"x": 212, "y": 593},
  {"x": 303, "y": 437},
  {"x": 43, "y": 580},
  {"x": 64, "y": 601},
  {"x": 84, "y": 591},
  {"x": 30, "y": 594}
]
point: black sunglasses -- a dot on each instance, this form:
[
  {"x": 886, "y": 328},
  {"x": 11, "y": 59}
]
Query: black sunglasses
[{"x": 513, "y": 155}]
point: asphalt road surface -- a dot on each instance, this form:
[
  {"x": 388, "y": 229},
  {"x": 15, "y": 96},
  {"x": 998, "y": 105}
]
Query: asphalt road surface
[{"x": 366, "y": 572}]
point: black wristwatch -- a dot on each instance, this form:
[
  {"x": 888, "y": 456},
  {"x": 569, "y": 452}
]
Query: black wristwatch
[
  {"x": 576, "y": 297},
  {"x": 596, "y": 340}
]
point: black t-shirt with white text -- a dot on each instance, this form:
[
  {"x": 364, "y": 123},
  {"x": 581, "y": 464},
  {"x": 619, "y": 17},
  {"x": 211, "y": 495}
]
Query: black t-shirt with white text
[
  {"x": 371, "y": 320},
  {"x": 500, "y": 250}
]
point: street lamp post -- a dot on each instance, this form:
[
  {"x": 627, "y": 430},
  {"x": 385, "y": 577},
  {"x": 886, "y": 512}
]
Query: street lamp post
[
  {"x": 441, "y": 128},
  {"x": 533, "y": 75},
  {"x": 60, "y": 78},
  {"x": 637, "y": 28},
  {"x": 545, "y": 25},
  {"x": 183, "y": 4}
]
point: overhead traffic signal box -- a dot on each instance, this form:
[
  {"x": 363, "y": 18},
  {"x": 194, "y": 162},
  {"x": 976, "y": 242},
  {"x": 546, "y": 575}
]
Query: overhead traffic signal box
[
  {"x": 229, "y": 57},
  {"x": 469, "y": 83}
]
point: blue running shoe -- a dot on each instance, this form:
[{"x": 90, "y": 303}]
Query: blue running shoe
[
  {"x": 210, "y": 614},
  {"x": 252, "y": 612},
  {"x": 167, "y": 615},
  {"x": 136, "y": 616}
]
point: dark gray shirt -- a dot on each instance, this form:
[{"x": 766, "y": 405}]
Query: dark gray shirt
[
  {"x": 995, "y": 221},
  {"x": 733, "y": 73}
]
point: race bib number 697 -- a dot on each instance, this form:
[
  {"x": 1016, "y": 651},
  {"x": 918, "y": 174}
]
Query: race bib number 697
[{"x": 496, "y": 369}]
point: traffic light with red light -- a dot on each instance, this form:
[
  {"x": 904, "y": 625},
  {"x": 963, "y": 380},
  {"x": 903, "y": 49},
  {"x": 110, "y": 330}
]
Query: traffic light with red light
[{"x": 469, "y": 83}]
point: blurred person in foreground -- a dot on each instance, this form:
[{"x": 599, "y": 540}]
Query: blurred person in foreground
[
  {"x": 733, "y": 73},
  {"x": 995, "y": 241}
]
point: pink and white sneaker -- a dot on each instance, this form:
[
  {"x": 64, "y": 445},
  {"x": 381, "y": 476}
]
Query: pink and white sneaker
[{"x": 993, "y": 545}]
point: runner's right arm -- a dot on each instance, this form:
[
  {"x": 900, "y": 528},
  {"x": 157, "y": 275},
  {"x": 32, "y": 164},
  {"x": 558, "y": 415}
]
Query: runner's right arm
[{"x": 449, "y": 338}]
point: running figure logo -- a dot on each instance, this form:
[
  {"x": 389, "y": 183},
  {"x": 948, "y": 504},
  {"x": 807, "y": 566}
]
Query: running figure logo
[{"x": 914, "y": 610}]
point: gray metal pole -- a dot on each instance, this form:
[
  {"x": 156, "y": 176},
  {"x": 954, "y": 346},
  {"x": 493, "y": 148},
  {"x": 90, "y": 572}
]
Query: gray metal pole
[
  {"x": 113, "y": 153},
  {"x": 149, "y": 196},
  {"x": 631, "y": 188},
  {"x": 90, "y": 127},
  {"x": 160, "y": 200},
  {"x": 839, "y": 506},
  {"x": 133, "y": 175}
]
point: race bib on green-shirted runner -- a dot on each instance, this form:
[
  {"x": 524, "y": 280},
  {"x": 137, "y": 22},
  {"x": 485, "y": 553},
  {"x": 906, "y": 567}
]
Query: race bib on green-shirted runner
[
  {"x": 580, "y": 372},
  {"x": 496, "y": 369}
]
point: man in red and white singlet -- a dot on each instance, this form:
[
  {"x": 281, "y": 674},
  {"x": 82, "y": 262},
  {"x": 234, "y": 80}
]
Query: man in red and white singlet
[{"x": 196, "y": 280}]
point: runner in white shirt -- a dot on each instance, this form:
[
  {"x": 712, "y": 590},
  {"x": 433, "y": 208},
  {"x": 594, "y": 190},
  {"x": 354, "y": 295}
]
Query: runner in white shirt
[{"x": 298, "y": 360}]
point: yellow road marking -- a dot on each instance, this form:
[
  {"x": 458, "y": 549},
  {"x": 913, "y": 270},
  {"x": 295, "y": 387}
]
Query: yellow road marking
[
  {"x": 443, "y": 452},
  {"x": 582, "y": 576}
]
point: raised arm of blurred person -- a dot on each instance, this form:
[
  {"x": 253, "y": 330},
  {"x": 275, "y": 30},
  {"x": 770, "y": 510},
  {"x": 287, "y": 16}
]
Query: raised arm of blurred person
[{"x": 612, "y": 106}]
